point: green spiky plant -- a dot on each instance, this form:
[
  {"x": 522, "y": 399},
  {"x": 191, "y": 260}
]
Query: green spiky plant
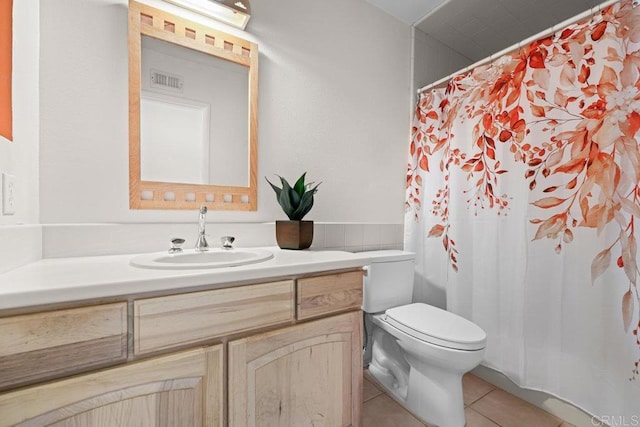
[{"x": 295, "y": 201}]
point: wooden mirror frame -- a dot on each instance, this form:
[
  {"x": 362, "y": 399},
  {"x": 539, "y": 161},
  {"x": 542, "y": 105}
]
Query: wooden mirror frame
[{"x": 152, "y": 22}]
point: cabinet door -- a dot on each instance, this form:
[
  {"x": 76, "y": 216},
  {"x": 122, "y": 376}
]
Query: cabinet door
[
  {"x": 183, "y": 389},
  {"x": 304, "y": 375}
]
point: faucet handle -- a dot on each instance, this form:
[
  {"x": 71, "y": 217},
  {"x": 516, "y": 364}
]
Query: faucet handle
[
  {"x": 227, "y": 242},
  {"x": 176, "y": 244}
]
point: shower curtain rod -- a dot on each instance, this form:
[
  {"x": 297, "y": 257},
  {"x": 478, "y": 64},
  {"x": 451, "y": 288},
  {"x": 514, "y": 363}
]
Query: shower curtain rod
[{"x": 525, "y": 42}]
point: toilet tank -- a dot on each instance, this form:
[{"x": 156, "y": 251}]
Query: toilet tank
[{"x": 389, "y": 280}]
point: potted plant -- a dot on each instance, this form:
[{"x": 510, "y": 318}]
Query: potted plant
[{"x": 296, "y": 202}]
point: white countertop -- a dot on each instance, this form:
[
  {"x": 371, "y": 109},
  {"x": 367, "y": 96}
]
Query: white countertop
[{"x": 59, "y": 280}]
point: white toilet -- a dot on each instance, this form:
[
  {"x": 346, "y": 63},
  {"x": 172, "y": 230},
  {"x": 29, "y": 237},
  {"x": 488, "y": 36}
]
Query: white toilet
[{"x": 418, "y": 352}]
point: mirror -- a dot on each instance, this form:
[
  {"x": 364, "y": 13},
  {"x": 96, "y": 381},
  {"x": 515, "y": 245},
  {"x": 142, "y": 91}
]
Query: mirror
[
  {"x": 193, "y": 117},
  {"x": 192, "y": 114}
]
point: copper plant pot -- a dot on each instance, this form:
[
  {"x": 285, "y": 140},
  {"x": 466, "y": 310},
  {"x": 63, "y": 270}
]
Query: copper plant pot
[{"x": 294, "y": 234}]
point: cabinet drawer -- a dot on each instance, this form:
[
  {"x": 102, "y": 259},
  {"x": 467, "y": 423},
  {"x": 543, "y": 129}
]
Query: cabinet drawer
[
  {"x": 327, "y": 294},
  {"x": 166, "y": 322},
  {"x": 55, "y": 343}
]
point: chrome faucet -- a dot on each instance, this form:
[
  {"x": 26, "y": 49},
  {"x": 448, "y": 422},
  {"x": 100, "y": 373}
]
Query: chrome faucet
[{"x": 201, "y": 243}]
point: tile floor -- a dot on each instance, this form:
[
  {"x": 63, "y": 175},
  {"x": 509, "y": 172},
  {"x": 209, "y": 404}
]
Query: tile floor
[{"x": 485, "y": 406}]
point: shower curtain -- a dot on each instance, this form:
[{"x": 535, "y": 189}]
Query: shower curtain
[{"x": 523, "y": 195}]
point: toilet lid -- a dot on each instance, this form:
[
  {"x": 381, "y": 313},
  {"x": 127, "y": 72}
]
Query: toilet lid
[{"x": 436, "y": 326}]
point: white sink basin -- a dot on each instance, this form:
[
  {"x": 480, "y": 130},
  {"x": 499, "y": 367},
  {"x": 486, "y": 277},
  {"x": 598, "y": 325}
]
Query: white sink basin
[{"x": 213, "y": 258}]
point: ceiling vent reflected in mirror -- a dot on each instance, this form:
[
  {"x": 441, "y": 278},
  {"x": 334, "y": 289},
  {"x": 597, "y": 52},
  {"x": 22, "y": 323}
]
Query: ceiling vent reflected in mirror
[
  {"x": 232, "y": 12},
  {"x": 167, "y": 81}
]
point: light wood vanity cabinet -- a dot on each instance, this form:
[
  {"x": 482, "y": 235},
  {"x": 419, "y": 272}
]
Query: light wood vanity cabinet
[
  {"x": 183, "y": 389},
  {"x": 323, "y": 295},
  {"x": 35, "y": 347},
  {"x": 166, "y": 322},
  {"x": 282, "y": 370},
  {"x": 304, "y": 375}
]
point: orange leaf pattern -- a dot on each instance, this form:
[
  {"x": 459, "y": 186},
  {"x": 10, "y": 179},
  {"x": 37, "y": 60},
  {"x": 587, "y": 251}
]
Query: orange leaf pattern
[{"x": 567, "y": 107}]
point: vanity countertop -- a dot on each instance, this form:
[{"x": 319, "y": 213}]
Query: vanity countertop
[{"x": 59, "y": 280}]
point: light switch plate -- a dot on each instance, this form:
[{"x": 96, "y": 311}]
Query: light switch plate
[{"x": 8, "y": 194}]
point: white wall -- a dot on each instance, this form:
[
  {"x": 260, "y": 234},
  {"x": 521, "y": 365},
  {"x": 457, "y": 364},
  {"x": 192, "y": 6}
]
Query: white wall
[
  {"x": 20, "y": 236},
  {"x": 20, "y": 157},
  {"x": 433, "y": 60},
  {"x": 333, "y": 101}
]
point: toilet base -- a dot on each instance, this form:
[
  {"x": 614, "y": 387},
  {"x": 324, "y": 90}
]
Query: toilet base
[
  {"x": 436, "y": 397},
  {"x": 389, "y": 382},
  {"x": 388, "y": 365}
]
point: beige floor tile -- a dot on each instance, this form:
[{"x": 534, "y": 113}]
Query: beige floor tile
[
  {"x": 369, "y": 390},
  {"x": 382, "y": 411},
  {"x": 474, "y": 419},
  {"x": 368, "y": 376},
  {"x": 473, "y": 388},
  {"x": 507, "y": 410}
]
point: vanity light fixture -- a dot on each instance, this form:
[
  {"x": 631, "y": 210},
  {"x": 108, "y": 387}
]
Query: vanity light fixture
[{"x": 232, "y": 12}]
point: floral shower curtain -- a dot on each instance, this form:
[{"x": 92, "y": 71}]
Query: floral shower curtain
[{"x": 523, "y": 196}]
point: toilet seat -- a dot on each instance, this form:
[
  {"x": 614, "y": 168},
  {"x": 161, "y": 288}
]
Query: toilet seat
[{"x": 436, "y": 326}]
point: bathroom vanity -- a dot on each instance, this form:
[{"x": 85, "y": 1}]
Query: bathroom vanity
[{"x": 96, "y": 341}]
